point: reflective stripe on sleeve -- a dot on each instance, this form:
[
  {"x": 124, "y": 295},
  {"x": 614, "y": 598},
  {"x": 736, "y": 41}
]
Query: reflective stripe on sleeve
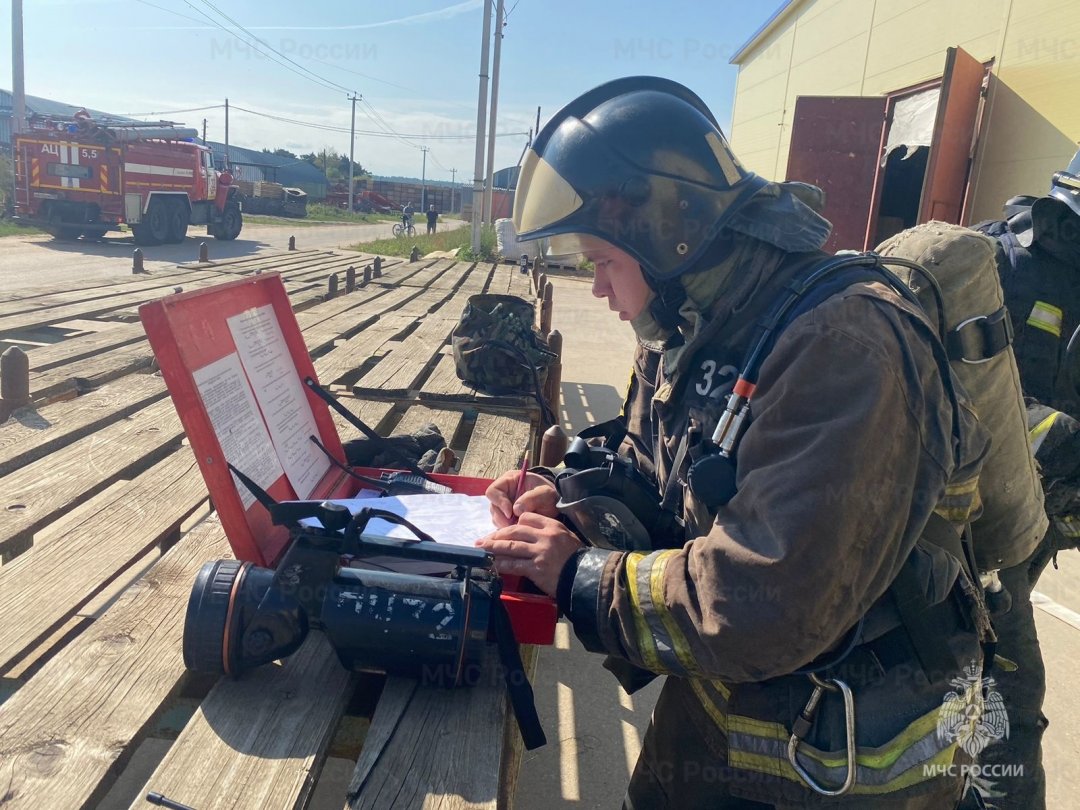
[
  {"x": 1046, "y": 317},
  {"x": 662, "y": 645}
]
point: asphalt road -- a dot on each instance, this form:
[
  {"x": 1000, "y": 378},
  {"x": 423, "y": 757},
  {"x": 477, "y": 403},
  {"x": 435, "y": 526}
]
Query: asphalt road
[{"x": 31, "y": 261}]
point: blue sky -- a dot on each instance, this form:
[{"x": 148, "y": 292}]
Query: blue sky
[{"x": 414, "y": 63}]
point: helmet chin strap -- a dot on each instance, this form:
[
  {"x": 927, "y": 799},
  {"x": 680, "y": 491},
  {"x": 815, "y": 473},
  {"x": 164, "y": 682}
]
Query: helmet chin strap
[{"x": 664, "y": 307}]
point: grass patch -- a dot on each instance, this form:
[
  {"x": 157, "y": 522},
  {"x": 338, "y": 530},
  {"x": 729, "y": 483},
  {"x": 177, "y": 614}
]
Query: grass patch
[
  {"x": 459, "y": 239},
  {"x": 9, "y": 228},
  {"x": 322, "y": 214}
]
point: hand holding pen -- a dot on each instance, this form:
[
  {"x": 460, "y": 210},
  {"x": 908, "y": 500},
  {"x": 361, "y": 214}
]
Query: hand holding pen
[{"x": 519, "y": 491}]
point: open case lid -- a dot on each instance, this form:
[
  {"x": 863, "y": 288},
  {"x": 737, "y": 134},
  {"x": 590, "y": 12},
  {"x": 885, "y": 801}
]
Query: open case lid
[{"x": 234, "y": 362}]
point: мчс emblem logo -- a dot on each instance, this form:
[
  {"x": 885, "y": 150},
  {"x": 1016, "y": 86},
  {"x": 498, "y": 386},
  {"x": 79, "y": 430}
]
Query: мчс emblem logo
[{"x": 969, "y": 718}]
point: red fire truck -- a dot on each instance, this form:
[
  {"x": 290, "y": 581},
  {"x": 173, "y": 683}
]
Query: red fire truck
[{"x": 83, "y": 177}]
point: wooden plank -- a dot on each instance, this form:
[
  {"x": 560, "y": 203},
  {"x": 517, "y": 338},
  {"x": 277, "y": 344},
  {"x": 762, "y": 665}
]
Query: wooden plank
[
  {"x": 355, "y": 351},
  {"x": 442, "y": 749},
  {"x": 100, "y": 307},
  {"x": 72, "y": 379},
  {"x": 64, "y": 732},
  {"x": 352, "y": 321},
  {"x": 373, "y": 414},
  {"x": 31, "y": 434},
  {"x": 498, "y": 444},
  {"x": 418, "y": 417},
  {"x": 138, "y": 516},
  {"x": 261, "y": 737},
  {"x": 401, "y": 369},
  {"x": 68, "y": 351},
  {"x": 65, "y": 296},
  {"x": 443, "y": 385},
  {"x": 38, "y": 492}
]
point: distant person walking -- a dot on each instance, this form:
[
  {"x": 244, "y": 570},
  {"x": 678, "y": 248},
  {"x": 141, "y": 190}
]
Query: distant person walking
[{"x": 432, "y": 218}]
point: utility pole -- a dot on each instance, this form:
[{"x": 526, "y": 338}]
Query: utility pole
[
  {"x": 226, "y": 133},
  {"x": 478, "y": 168},
  {"x": 537, "y": 130},
  {"x": 352, "y": 141},
  {"x": 488, "y": 216},
  {"x": 423, "y": 180},
  {"x": 204, "y": 132},
  {"x": 453, "y": 187},
  {"x": 18, "y": 79}
]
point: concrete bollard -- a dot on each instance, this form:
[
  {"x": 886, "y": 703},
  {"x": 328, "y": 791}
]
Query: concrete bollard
[
  {"x": 14, "y": 381},
  {"x": 350, "y": 279},
  {"x": 332, "y": 286},
  {"x": 553, "y": 446},
  {"x": 377, "y": 270},
  {"x": 137, "y": 261},
  {"x": 204, "y": 252},
  {"x": 367, "y": 276},
  {"x": 414, "y": 256},
  {"x": 258, "y": 271},
  {"x": 292, "y": 243}
]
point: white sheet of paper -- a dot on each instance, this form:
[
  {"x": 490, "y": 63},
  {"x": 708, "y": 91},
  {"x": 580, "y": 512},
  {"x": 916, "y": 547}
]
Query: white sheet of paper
[
  {"x": 270, "y": 369},
  {"x": 457, "y": 519},
  {"x": 235, "y": 418}
]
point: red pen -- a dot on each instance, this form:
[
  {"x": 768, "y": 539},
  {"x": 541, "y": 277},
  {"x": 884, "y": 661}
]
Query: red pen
[{"x": 521, "y": 480}]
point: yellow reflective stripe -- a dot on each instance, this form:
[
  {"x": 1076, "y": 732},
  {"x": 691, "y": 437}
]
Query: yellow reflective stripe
[
  {"x": 646, "y": 645},
  {"x": 656, "y": 588},
  {"x": 1046, "y": 317},
  {"x": 1038, "y": 433},
  {"x": 711, "y": 709},
  {"x": 963, "y": 488},
  {"x": 925, "y": 770}
]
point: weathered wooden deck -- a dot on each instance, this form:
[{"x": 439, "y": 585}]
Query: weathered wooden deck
[{"x": 105, "y": 520}]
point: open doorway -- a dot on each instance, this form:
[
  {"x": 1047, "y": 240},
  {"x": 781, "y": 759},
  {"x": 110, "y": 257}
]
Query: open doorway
[
  {"x": 889, "y": 162},
  {"x": 901, "y": 190}
]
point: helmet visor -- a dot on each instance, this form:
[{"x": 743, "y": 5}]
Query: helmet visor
[{"x": 543, "y": 196}]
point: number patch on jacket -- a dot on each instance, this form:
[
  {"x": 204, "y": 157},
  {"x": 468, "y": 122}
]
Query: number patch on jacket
[{"x": 716, "y": 381}]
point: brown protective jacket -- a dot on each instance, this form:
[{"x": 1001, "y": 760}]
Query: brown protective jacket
[{"x": 854, "y": 442}]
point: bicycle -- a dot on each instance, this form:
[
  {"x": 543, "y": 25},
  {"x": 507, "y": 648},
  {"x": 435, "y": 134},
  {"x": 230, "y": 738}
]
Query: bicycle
[{"x": 401, "y": 230}]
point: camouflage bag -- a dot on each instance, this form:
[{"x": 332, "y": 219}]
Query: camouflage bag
[{"x": 496, "y": 348}]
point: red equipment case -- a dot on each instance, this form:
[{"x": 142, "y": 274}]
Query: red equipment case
[{"x": 192, "y": 338}]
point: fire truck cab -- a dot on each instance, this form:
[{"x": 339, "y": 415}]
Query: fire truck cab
[{"x": 82, "y": 177}]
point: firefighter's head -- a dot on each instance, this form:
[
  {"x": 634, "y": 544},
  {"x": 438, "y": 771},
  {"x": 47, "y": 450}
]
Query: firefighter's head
[{"x": 638, "y": 164}]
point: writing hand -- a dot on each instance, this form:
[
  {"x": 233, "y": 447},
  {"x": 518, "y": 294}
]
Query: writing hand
[
  {"x": 536, "y": 547},
  {"x": 540, "y": 496}
]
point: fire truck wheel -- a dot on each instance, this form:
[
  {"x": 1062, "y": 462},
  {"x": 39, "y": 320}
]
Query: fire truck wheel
[
  {"x": 65, "y": 233},
  {"x": 154, "y": 229},
  {"x": 178, "y": 222},
  {"x": 231, "y": 223}
]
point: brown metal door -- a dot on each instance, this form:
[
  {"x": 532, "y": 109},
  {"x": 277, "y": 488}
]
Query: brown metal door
[
  {"x": 954, "y": 127},
  {"x": 835, "y": 144}
]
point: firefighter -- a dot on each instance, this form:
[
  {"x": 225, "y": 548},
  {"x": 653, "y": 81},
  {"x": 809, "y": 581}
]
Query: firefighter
[
  {"x": 1040, "y": 276},
  {"x": 777, "y": 615}
]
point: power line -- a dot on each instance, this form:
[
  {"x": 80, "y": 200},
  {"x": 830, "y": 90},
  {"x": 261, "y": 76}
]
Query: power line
[
  {"x": 368, "y": 132},
  {"x": 265, "y": 44},
  {"x": 170, "y": 11},
  {"x": 172, "y": 112},
  {"x": 307, "y": 74}
]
